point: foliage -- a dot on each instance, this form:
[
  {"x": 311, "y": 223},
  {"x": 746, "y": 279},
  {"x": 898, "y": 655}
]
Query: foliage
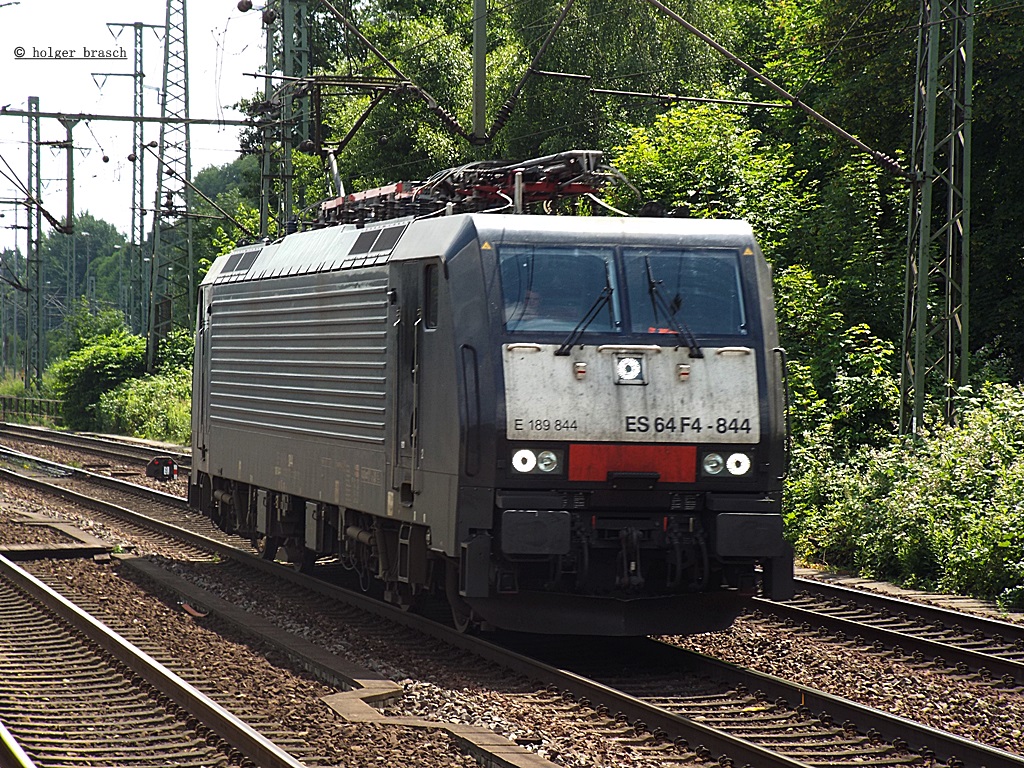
[
  {"x": 227, "y": 237},
  {"x": 940, "y": 512},
  {"x": 158, "y": 406},
  {"x": 175, "y": 351},
  {"x": 155, "y": 407},
  {"x": 997, "y": 271},
  {"x": 852, "y": 235},
  {"x": 82, "y": 326},
  {"x": 706, "y": 161},
  {"x": 82, "y": 377},
  {"x": 12, "y": 386},
  {"x": 88, "y": 264},
  {"x": 235, "y": 189}
]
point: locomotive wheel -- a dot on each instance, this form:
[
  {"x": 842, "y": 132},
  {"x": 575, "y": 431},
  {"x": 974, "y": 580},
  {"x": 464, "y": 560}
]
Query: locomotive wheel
[
  {"x": 462, "y": 618},
  {"x": 267, "y": 547},
  {"x": 462, "y": 614},
  {"x": 306, "y": 561},
  {"x": 402, "y": 596}
]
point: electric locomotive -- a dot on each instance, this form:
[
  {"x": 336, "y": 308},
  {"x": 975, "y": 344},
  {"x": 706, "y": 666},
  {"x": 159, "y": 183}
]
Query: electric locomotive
[{"x": 566, "y": 424}]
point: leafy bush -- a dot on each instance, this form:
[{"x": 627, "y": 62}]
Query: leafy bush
[
  {"x": 80, "y": 379},
  {"x": 707, "y": 161},
  {"x": 944, "y": 511},
  {"x": 155, "y": 407},
  {"x": 175, "y": 351},
  {"x": 82, "y": 326},
  {"x": 12, "y": 386}
]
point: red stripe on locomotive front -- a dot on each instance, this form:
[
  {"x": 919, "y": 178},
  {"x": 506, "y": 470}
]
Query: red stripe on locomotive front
[{"x": 592, "y": 463}]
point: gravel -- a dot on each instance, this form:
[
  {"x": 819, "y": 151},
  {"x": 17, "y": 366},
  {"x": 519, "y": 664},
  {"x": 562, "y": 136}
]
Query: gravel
[{"x": 975, "y": 709}]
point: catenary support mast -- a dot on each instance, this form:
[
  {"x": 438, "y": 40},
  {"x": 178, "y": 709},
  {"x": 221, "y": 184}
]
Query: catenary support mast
[
  {"x": 172, "y": 288},
  {"x": 936, "y": 306}
]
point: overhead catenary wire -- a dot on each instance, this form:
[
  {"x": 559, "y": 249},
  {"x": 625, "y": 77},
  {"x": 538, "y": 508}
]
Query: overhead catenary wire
[
  {"x": 31, "y": 199},
  {"x": 883, "y": 160}
]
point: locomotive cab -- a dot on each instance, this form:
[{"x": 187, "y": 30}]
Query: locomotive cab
[{"x": 638, "y": 427}]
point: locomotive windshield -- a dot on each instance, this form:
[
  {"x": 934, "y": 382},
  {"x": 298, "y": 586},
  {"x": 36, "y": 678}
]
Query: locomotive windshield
[
  {"x": 694, "y": 289},
  {"x": 551, "y": 288}
]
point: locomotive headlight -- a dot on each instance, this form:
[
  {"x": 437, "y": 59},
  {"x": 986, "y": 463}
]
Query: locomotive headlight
[
  {"x": 738, "y": 464},
  {"x": 629, "y": 370},
  {"x": 524, "y": 460},
  {"x": 539, "y": 461},
  {"x": 547, "y": 461},
  {"x": 713, "y": 464}
]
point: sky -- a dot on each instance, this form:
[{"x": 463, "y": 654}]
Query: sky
[{"x": 225, "y": 47}]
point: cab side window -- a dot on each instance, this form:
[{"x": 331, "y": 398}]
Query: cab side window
[{"x": 431, "y": 302}]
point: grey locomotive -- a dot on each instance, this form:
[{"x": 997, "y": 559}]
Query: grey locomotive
[{"x": 565, "y": 424}]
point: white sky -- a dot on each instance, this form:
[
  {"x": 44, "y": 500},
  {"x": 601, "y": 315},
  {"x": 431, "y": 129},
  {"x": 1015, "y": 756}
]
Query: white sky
[{"x": 223, "y": 45}]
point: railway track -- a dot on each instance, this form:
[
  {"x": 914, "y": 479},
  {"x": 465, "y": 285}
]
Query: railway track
[
  {"x": 74, "y": 693},
  {"x": 733, "y": 716},
  {"x": 804, "y": 725},
  {"x": 144, "y": 511},
  {"x": 987, "y": 648},
  {"x": 103, "y": 447}
]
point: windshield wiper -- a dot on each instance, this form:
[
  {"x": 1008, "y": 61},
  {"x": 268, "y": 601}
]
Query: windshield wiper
[
  {"x": 604, "y": 298},
  {"x": 678, "y": 326}
]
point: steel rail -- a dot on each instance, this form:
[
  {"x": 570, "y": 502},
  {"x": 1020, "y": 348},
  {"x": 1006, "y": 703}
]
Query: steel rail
[
  {"x": 253, "y": 745},
  {"x": 969, "y": 622},
  {"x": 93, "y": 444},
  {"x": 11, "y": 753},
  {"x": 892, "y": 728},
  {"x": 852, "y": 629},
  {"x": 739, "y": 750},
  {"x": 1010, "y": 670}
]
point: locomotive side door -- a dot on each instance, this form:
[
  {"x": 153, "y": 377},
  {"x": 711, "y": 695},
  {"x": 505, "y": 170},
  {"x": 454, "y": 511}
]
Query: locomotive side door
[
  {"x": 201, "y": 377},
  {"x": 407, "y": 317}
]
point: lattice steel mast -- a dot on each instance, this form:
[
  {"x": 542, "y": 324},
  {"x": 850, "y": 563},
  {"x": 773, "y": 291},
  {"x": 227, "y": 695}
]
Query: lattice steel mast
[
  {"x": 936, "y": 318},
  {"x": 131, "y": 263},
  {"x": 35, "y": 350},
  {"x": 172, "y": 290},
  {"x": 289, "y": 102}
]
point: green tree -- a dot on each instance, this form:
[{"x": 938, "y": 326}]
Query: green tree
[
  {"x": 82, "y": 326},
  {"x": 706, "y": 161},
  {"x": 84, "y": 264}
]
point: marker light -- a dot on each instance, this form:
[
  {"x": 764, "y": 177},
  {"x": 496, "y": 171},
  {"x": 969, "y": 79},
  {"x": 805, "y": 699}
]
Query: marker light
[
  {"x": 713, "y": 464},
  {"x": 547, "y": 461},
  {"x": 524, "y": 460}
]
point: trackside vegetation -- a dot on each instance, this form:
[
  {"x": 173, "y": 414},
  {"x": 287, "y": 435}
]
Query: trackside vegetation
[{"x": 941, "y": 511}]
